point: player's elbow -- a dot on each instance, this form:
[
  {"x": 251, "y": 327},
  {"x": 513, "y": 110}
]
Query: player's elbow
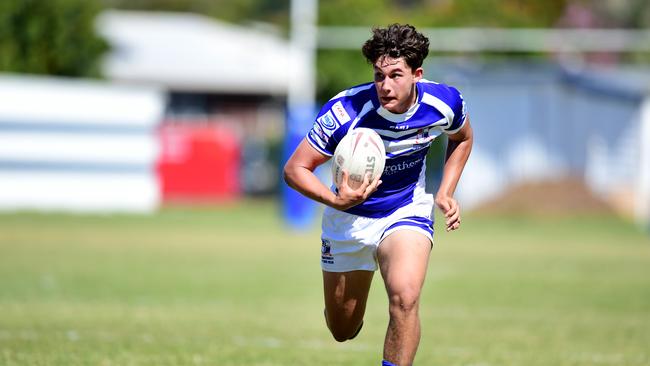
[
  {"x": 286, "y": 173},
  {"x": 289, "y": 174}
]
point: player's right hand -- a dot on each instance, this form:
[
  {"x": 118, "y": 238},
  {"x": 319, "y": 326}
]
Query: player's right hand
[
  {"x": 450, "y": 208},
  {"x": 348, "y": 197}
]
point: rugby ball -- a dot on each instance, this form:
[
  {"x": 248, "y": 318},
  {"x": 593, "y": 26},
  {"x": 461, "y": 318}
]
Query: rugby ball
[{"x": 360, "y": 152}]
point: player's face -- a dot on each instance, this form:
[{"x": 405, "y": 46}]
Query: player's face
[{"x": 395, "y": 83}]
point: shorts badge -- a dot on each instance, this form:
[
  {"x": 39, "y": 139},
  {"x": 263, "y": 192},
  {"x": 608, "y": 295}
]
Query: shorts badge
[{"x": 326, "y": 255}]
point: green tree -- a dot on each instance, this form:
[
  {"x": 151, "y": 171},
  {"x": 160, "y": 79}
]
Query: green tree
[
  {"x": 339, "y": 69},
  {"x": 236, "y": 11},
  {"x": 54, "y": 37}
]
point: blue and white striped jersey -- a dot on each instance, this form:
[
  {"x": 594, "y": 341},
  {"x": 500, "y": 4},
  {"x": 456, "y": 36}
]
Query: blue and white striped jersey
[{"x": 407, "y": 137}]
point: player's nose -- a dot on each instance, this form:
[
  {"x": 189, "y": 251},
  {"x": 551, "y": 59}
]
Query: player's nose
[{"x": 385, "y": 87}]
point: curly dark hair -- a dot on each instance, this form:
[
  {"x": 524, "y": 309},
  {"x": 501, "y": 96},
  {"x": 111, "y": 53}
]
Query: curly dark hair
[{"x": 397, "y": 40}]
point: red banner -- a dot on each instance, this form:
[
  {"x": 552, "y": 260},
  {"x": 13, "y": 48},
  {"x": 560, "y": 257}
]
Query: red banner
[{"x": 198, "y": 163}]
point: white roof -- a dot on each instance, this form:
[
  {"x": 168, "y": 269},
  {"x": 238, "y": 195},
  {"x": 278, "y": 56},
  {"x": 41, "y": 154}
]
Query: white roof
[{"x": 188, "y": 52}]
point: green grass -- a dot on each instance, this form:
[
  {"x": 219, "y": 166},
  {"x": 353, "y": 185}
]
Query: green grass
[{"x": 230, "y": 286}]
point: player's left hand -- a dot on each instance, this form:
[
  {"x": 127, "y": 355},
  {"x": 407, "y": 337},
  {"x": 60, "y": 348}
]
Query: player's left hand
[
  {"x": 348, "y": 197},
  {"x": 450, "y": 208}
]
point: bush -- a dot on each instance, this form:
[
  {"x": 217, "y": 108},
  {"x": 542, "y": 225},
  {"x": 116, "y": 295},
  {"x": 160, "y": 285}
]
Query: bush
[{"x": 53, "y": 37}]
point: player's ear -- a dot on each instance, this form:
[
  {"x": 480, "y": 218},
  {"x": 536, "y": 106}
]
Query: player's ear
[{"x": 417, "y": 73}]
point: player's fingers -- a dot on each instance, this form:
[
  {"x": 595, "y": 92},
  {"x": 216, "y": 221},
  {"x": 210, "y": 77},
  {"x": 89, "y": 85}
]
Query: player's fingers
[
  {"x": 344, "y": 178},
  {"x": 454, "y": 226},
  {"x": 451, "y": 212},
  {"x": 361, "y": 190},
  {"x": 453, "y": 207},
  {"x": 443, "y": 205},
  {"x": 373, "y": 186},
  {"x": 454, "y": 212},
  {"x": 455, "y": 219}
]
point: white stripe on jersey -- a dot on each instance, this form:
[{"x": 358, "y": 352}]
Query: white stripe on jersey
[
  {"x": 439, "y": 105},
  {"x": 366, "y": 108},
  {"x": 429, "y": 81},
  {"x": 352, "y": 91},
  {"x": 403, "y": 152},
  {"x": 393, "y": 117},
  {"x": 451, "y": 132},
  {"x": 409, "y": 146},
  {"x": 319, "y": 134},
  {"x": 398, "y": 134}
]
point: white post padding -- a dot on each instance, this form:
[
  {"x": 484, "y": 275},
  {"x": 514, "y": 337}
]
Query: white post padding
[{"x": 643, "y": 177}]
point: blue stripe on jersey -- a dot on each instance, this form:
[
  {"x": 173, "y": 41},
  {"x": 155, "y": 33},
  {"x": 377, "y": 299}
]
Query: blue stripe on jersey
[
  {"x": 407, "y": 137},
  {"x": 399, "y": 179}
]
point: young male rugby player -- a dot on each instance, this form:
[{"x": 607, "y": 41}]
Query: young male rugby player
[{"x": 387, "y": 223}]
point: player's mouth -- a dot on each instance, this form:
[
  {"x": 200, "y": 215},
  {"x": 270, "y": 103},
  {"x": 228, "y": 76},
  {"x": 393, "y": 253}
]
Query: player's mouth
[{"x": 386, "y": 100}]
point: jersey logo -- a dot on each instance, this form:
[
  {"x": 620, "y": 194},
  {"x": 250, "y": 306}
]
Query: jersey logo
[
  {"x": 340, "y": 112},
  {"x": 327, "y": 120},
  {"x": 422, "y": 136},
  {"x": 391, "y": 169}
]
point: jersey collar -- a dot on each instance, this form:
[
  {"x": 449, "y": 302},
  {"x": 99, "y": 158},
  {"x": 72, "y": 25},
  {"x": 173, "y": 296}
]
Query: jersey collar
[{"x": 401, "y": 117}]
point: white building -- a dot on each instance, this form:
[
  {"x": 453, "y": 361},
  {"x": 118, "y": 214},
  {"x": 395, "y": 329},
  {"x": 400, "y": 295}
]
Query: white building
[
  {"x": 92, "y": 146},
  {"x": 540, "y": 121}
]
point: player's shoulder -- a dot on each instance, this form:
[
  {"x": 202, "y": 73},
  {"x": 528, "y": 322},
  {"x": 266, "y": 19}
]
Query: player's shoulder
[
  {"x": 441, "y": 91},
  {"x": 335, "y": 117},
  {"x": 444, "y": 99},
  {"x": 346, "y": 105}
]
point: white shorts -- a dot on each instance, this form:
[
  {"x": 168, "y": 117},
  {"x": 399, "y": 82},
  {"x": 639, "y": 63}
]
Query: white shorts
[{"x": 350, "y": 242}]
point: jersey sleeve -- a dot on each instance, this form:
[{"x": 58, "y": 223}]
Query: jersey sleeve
[
  {"x": 333, "y": 115},
  {"x": 459, "y": 109}
]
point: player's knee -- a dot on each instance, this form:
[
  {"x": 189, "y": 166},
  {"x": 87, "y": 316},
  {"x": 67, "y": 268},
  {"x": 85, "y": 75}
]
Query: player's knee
[
  {"x": 340, "y": 337},
  {"x": 343, "y": 332},
  {"x": 404, "y": 302}
]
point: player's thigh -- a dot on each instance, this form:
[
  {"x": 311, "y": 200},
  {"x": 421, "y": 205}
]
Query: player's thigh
[
  {"x": 403, "y": 257},
  {"x": 346, "y": 293}
]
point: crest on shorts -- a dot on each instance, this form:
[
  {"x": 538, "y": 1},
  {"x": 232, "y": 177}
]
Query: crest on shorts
[{"x": 325, "y": 250}]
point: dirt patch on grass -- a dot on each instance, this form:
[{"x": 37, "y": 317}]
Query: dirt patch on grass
[{"x": 568, "y": 196}]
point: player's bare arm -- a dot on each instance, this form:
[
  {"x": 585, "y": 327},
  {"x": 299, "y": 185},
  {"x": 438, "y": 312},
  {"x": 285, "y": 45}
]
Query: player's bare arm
[
  {"x": 299, "y": 175},
  {"x": 459, "y": 147}
]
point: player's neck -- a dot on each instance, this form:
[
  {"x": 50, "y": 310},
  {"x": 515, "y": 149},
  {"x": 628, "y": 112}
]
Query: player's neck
[{"x": 413, "y": 99}]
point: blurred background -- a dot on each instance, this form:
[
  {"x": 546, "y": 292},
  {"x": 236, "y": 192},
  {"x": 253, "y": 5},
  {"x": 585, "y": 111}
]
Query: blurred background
[
  {"x": 128, "y": 105},
  {"x": 143, "y": 219}
]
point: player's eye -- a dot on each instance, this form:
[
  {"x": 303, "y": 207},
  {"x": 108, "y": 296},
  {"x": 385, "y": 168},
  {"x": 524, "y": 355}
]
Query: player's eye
[{"x": 379, "y": 77}]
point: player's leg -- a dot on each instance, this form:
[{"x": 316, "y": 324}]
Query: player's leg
[
  {"x": 346, "y": 294},
  {"x": 403, "y": 257}
]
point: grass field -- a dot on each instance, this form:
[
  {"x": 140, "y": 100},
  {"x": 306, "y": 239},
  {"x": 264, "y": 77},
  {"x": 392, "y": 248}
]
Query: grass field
[{"x": 229, "y": 286}]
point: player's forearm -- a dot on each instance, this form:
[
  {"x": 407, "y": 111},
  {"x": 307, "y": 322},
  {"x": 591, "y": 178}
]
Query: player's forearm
[
  {"x": 305, "y": 181},
  {"x": 457, "y": 154}
]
